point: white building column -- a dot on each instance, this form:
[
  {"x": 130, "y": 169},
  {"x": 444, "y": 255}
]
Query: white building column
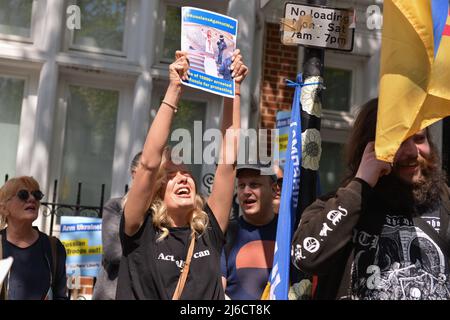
[
  {"x": 144, "y": 54},
  {"x": 49, "y": 42},
  {"x": 245, "y": 12}
]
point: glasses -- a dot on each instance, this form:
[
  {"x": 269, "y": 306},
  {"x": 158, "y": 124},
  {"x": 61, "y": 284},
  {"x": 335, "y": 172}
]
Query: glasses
[{"x": 24, "y": 195}]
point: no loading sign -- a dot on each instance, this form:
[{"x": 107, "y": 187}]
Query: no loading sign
[{"x": 315, "y": 26}]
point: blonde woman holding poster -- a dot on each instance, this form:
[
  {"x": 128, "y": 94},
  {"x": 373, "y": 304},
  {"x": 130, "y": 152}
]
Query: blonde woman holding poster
[{"x": 171, "y": 237}]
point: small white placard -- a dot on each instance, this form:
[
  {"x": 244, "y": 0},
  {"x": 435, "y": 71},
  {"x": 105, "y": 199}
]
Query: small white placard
[
  {"x": 318, "y": 27},
  {"x": 5, "y": 265}
]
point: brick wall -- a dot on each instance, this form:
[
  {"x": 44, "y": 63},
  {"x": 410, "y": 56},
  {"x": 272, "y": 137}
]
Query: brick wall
[{"x": 280, "y": 63}]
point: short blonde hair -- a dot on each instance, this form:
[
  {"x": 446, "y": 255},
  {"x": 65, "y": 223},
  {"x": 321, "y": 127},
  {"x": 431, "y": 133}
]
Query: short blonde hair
[{"x": 10, "y": 189}]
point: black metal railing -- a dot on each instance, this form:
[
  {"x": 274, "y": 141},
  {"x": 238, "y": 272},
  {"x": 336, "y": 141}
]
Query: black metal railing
[{"x": 54, "y": 209}]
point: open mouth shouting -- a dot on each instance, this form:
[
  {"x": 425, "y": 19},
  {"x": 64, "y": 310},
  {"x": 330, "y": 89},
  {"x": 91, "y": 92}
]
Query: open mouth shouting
[
  {"x": 248, "y": 203},
  {"x": 183, "y": 192}
]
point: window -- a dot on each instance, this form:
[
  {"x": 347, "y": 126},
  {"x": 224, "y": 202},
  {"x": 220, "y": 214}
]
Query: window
[
  {"x": 102, "y": 25},
  {"x": 172, "y": 34},
  {"x": 15, "y": 17},
  {"x": 337, "y": 95},
  {"x": 89, "y": 142},
  {"x": 11, "y": 96},
  {"x": 331, "y": 167}
]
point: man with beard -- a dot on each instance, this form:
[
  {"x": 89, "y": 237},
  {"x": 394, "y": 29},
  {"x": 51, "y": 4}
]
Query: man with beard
[{"x": 384, "y": 234}]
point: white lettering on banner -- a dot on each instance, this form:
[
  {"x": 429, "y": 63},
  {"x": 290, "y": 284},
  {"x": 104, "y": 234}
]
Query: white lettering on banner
[
  {"x": 296, "y": 166},
  {"x": 325, "y": 229},
  {"x": 275, "y": 281},
  {"x": 311, "y": 244},
  {"x": 335, "y": 216}
]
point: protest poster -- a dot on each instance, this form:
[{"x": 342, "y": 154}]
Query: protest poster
[
  {"x": 82, "y": 239},
  {"x": 209, "y": 39},
  {"x": 282, "y": 125}
]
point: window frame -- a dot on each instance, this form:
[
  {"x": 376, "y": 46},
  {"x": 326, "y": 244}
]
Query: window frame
[
  {"x": 69, "y": 36},
  {"x": 123, "y": 121},
  {"x": 36, "y": 4},
  {"x": 353, "y": 63},
  {"x": 27, "y": 124},
  {"x": 23, "y": 114}
]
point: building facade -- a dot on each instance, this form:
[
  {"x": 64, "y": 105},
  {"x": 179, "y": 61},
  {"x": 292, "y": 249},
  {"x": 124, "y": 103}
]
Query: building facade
[{"x": 80, "y": 83}]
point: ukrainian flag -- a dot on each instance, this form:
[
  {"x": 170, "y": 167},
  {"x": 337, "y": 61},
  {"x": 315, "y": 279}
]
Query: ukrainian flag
[{"x": 414, "y": 73}]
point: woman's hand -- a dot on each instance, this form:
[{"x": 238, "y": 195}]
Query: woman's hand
[
  {"x": 240, "y": 70},
  {"x": 178, "y": 70}
]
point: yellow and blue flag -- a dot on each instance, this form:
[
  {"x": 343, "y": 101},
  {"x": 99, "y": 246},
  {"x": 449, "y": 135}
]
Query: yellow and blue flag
[{"x": 414, "y": 71}]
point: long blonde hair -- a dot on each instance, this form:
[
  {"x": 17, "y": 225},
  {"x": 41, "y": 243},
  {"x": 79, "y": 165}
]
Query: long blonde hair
[
  {"x": 9, "y": 190},
  {"x": 160, "y": 219}
]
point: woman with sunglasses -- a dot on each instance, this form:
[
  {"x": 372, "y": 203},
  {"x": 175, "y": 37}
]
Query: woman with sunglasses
[
  {"x": 168, "y": 230},
  {"x": 33, "y": 275}
]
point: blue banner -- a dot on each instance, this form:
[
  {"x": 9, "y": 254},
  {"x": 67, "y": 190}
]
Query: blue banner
[
  {"x": 82, "y": 239},
  {"x": 210, "y": 19},
  {"x": 279, "y": 280},
  {"x": 439, "y": 13}
]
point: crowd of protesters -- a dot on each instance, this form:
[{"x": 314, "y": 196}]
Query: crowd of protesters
[{"x": 375, "y": 237}]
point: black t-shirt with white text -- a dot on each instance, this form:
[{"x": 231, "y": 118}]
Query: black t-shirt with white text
[{"x": 149, "y": 269}]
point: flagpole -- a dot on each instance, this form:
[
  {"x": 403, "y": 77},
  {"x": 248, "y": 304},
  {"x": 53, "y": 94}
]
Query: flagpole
[{"x": 313, "y": 64}]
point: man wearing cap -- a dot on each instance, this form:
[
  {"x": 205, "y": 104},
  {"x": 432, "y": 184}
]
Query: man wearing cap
[{"x": 248, "y": 254}]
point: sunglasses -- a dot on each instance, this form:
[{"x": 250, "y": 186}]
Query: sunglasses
[{"x": 24, "y": 195}]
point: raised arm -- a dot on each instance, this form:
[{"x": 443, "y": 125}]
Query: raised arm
[
  {"x": 141, "y": 192},
  {"x": 221, "y": 197},
  {"x": 326, "y": 227}
]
